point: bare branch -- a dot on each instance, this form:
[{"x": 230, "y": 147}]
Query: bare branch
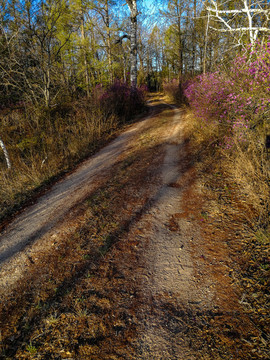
[
  {"x": 242, "y": 29},
  {"x": 248, "y": 10},
  {"x": 258, "y": 11},
  {"x": 120, "y": 39}
]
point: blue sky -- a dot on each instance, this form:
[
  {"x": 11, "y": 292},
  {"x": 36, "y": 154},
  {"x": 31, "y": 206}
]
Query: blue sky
[
  {"x": 149, "y": 13},
  {"x": 152, "y": 4}
]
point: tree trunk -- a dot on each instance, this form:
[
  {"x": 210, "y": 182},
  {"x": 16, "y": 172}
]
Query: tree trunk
[
  {"x": 47, "y": 82},
  {"x": 180, "y": 44},
  {"x": 107, "y": 19},
  {"x": 86, "y": 74},
  {"x": 5, "y": 153},
  {"x": 205, "y": 43},
  {"x": 133, "y": 52},
  {"x": 194, "y": 37},
  {"x": 133, "y": 42}
]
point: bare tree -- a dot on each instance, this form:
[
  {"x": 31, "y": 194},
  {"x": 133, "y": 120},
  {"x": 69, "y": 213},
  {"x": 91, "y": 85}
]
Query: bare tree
[
  {"x": 229, "y": 21},
  {"x": 103, "y": 8},
  {"x": 32, "y": 53},
  {"x": 194, "y": 36},
  {"x": 132, "y": 4},
  {"x": 84, "y": 49}
]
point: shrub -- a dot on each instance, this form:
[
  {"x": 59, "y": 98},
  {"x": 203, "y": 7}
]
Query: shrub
[
  {"x": 122, "y": 101},
  {"x": 237, "y": 100},
  {"x": 235, "y": 105}
]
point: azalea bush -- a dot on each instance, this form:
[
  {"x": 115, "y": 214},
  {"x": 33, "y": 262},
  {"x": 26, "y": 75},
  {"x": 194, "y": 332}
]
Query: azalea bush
[
  {"x": 232, "y": 108},
  {"x": 121, "y": 100},
  {"x": 236, "y": 100}
]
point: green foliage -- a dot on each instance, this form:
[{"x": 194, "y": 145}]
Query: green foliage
[{"x": 31, "y": 349}]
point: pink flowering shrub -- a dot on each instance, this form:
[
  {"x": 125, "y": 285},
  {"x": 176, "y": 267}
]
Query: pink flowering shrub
[
  {"x": 121, "y": 100},
  {"x": 238, "y": 99}
]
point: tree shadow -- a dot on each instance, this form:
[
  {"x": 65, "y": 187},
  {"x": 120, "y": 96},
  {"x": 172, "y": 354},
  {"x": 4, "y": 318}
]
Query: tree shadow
[{"x": 97, "y": 255}]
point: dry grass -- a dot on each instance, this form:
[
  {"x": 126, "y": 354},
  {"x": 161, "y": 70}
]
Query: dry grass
[
  {"x": 250, "y": 168},
  {"x": 235, "y": 185},
  {"x": 245, "y": 165},
  {"x": 43, "y": 144},
  {"x": 174, "y": 91}
]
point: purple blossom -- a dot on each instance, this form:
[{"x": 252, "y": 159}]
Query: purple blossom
[{"x": 235, "y": 99}]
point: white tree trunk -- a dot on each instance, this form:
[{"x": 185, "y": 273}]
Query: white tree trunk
[
  {"x": 133, "y": 42},
  {"x": 205, "y": 44},
  {"x": 109, "y": 47},
  {"x": 5, "y": 153}
]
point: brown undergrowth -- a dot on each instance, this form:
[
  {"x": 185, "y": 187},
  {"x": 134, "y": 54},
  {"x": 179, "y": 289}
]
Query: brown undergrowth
[
  {"x": 45, "y": 143},
  {"x": 235, "y": 247}
]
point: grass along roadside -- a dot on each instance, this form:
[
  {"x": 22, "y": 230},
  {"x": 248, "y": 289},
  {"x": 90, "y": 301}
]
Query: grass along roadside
[{"x": 235, "y": 215}]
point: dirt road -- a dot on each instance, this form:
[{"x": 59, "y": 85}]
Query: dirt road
[
  {"x": 39, "y": 219},
  {"x": 110, "y": 264}
]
